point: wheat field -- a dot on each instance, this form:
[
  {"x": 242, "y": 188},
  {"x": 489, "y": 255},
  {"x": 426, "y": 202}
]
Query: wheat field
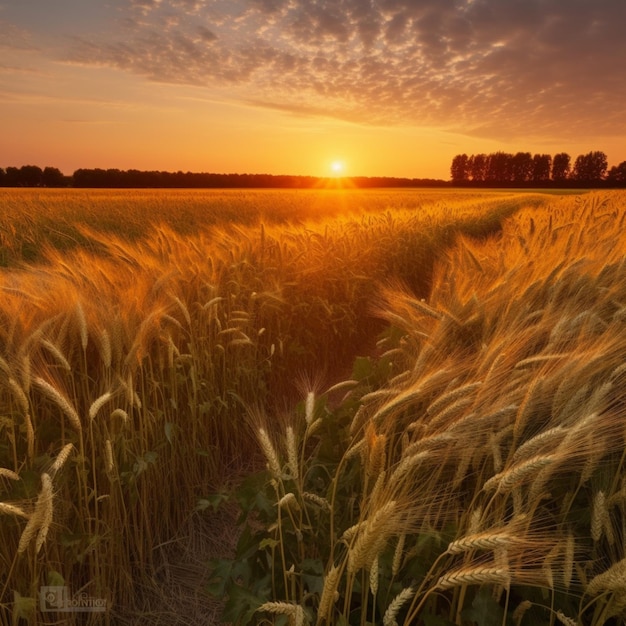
[{"x": 325, "y": 407}]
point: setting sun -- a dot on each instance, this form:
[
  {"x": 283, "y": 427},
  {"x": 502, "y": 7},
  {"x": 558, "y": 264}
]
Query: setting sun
[{"x": 337, "y": 167}]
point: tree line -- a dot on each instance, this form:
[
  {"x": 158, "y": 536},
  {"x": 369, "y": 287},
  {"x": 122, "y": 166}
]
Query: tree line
[
  {"x": 34, "y": 176},
  {"x": 524, "y": 168},
  {"x": 495, "y": 169}
]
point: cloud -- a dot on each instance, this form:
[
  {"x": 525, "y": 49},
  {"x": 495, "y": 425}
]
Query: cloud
[
  {"x": 491, "y": 68},
  {"x": 14, "y": 38}
]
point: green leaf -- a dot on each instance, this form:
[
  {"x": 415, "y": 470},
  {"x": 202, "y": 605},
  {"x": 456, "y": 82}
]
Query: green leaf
[
  {"x": 312, "y": 566},
  {"x": 220, "y": 577},
  {"x": 268, "y": 543},
  {"x": 213, "y": 501},
  {"x": 151, "y": 457},
  {"x": 170, "y": 430},
  {"x": 23, "y": 607},
  {"x": 55, "y": 579},
  {"x": 241, "y": 605}
]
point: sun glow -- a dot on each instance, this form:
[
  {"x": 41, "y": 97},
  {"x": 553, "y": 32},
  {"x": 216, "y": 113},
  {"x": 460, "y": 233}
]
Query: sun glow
[{"x": 337, "y": 167}]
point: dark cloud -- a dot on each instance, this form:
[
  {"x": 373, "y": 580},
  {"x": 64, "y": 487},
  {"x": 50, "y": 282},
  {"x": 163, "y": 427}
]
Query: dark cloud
[{"x": 490, "y": 67}]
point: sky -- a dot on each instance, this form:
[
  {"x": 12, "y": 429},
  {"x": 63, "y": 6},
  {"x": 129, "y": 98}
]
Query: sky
[{"x": 382, "y": 87}]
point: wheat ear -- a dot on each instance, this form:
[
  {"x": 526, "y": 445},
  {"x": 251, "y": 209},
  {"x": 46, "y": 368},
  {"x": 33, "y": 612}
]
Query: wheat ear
[
  {"x": 40, "y": 519},
  {"x": 60, "y": 400},
  {"x": 613, "y": 579},
  {"x": 62, "y": 457},
  {"x": 294, "y": 611},
  {"x": 270, "y": 453},
  {"x": 292, "y": 453},
  {"x": 475, "y": 576},
  {"x": 480, "y": 541},
  {"x": 373, "y": 534},
  {"x": 11, "y": 509},
  {"x": 328, "y": 592},
  {"x": 505, "y": 481},
  {"x": 10, "y": 474},
  {"x": 389, "y": 618},
  {"x": 98, "y": 403}
]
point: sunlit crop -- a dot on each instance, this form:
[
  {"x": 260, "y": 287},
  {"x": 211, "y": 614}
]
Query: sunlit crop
[{"x": 433, "y": 380}]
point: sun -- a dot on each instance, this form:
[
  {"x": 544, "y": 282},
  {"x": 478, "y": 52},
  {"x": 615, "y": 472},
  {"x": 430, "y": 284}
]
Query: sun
[{"x": 337, "y": 167}]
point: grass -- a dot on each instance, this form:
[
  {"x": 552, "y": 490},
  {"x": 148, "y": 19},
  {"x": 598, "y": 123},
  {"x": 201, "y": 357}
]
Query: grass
[{"x": 451, "y": 472}]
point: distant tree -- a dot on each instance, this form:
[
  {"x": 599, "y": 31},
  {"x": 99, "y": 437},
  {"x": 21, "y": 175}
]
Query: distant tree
[
  {"x": 30, "y": 176},
  {"x": 477, "y": 166},
  {"x": 499, "y": 167},
  {"x": 590, "y": 167},
  {"x": 459, "y": 170},
  {"x": 522, "y": 167},
  {"x": 12, "y": 177},
  {"x": 561, "y": 164},
  {"x": 52, "y": 177},
  {"x": 2, "y": 178},
  {"x": 617, "y": 174},
  {"x": 542, "y": 164}
]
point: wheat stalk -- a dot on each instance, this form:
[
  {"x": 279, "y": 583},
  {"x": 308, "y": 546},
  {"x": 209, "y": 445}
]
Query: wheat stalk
[
  {"x": 530, "y": 447},
  {"x": 480, "y": 541},
  {"x": 406, "y": 465},
  {"x": 389, "y": 618},
  {"x": 270, "y": 453},
  {"x": 329, "y": 591},
  {"x": 292, "y": 453},
  {"x": 60, "y": 400},
  {"x": 505, "y": 481},
  {"x": 566, "y": 621},
  {"x": 41, "y": 518},
  {"x": 480, "y": 575},
  {"x": 520, "y": 610},
  {"x": 20, "y": 395},
  {"x": 373, "y": 534},
  {"x": 451, "y": 397},
  {"x": 294, "y": 611},
  {"x": 309, "y": 407},
  {"x": 398, "y": 554},
  {"x": 10, "y": 474},
  {"x": 61, "y": 458},
  {"x": 313, "y": 497},
  {"x": 45, "y": 502},
  {"x": 374, "y": 577},
  {"x": 30, "y": 437},
  {"x": 613, "y": 579},
  {"x": 108, "y": 455},
  {"x": 11, "y": 509},
  {"x": 98, "y": 403},
  {"x": 57, "y": 354}
]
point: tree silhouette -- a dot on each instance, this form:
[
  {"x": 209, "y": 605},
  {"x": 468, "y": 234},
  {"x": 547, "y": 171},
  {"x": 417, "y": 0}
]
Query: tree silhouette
[
  {"x": 522, "y": 167},
  {"x": 52, "y": 177},
  {"x": 542, "y": 164},
  {"x": 499, "y": 167},
  {"x": 617, "y": 174},
  {"x": 459, "y": 169},
  {"x": 478, "y": 167},
  {"x": 561, "y": 164},
  {"x": 590, "y": 167}
]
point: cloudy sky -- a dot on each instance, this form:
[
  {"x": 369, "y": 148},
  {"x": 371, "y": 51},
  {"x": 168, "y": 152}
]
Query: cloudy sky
[{"x": 391, "y": 87}]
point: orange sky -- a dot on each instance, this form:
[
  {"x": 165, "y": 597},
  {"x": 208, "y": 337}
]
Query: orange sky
[{"x": 389, "y": 87}]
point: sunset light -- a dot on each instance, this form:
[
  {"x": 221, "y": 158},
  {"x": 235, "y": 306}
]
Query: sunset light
[
  {"x": 338, "y": 168},
  {"x": 313, "y": 312},
  {"x": 261, "y": 86}
]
